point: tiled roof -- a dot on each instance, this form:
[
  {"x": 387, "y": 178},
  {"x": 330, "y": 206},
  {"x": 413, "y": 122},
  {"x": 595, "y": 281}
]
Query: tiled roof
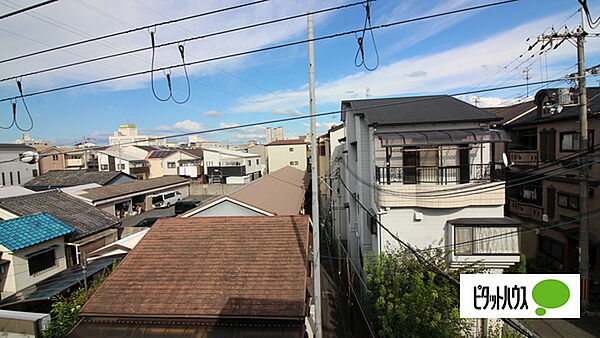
[
  {"x": 280, "y": 193},
  {"x": 209, "y": 267},
  {"x": 116, "y": 190},
  {"x": 417, "y": 110},
  {"x": 84, "y": 218},
  {"x": 69, "y": 178},
  {"x": 21, "y": 232},
  {"x": 194, "y": 152},
  {"x": 287, "y": 142}
]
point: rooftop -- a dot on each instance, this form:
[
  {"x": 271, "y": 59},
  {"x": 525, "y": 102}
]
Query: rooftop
[
  {"x": 15, "y": 146},
  {"x": 212, "y": 267},
  {"x": 509, "y": 113},
  {"x": 116, "y": 190},
  {"x": 70, "y": 178},
  {"x": 21, "y": 232},
  {"x": 84, "y": 218},
  {"x": 161, "y": 153},
  {"x": 417, "y": 110},
  {"x": 229, "y": 152},
  {"x": 122, "y": 155},
  {"x": 287, "y": 142}
]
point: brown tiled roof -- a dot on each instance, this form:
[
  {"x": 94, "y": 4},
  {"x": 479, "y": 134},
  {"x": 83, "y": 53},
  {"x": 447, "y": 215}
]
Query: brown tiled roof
[
  {"x": 195, "y": 152},
  {"x": 116, "y": 190},
  {"x": 287, "y": 142},
  {"x": 280, "y": 193},
  {"x": 212, "y": 267}
]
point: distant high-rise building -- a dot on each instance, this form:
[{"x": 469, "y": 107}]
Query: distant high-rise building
[
  {"x": 274, "y": 134},
  {"x": 128, "y": 133},
  {"x": 28, "y": 141}
]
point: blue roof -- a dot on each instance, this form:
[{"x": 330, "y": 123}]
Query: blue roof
[{"x": 21, "y": 232}]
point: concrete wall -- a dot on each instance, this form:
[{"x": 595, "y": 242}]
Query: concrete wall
[
  {"x": 17, "y": 277},
  {"x": 279, "y": 156},
  {"x": 213, "y": 189}
]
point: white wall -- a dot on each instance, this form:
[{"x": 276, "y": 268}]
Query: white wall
[
  {"x": 227, "y": 208},
  {"x": 279, "y": 156},
  {"x": 216, "y": 157},
  {"x": 18, "y": 277},
  {"x": 22, "y": 172}
]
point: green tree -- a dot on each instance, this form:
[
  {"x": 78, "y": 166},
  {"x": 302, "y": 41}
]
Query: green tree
[
  {"x": 65, "y": 309},
  {"x": 409, "y": 300}
]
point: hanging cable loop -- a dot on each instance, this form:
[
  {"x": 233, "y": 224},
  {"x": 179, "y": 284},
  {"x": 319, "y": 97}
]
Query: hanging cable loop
[
  {"x": 14, "y": 115},
  {"x": 152, "y": 71},
  {"x": 181, "y": 48},
  {"x": 16, "y": 123},
  {"x": 359, "y": 58}
]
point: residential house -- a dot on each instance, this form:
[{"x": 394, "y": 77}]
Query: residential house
[
  {"x": 124, "y": 199},
  {"x": 544, "y": 154},
  {"x": 12, "y": 170},
  {"x": 279, "y": 193},
  {"x": 208, "y": 276},
  {"x": 70, "y": 178},
  {"x": 128, "y": 133},
  {"x": 429, "y": 170},
  {"x": 31, "y": 249},
  {"x": 93, "y": 227},
  {"x": 57, "y": 158},
  {"x": 125, "y": 161},
  {"x": 175, "y": 162},
  {"x": 230, "y": 166},
  {"x": 261, "y": 150},
  {"x": 282, "y": 153}
]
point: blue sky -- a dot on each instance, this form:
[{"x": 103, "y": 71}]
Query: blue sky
[{"x": 438, "y": 56}]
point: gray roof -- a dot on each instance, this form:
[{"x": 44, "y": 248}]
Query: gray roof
[
  {"x": 83, "y": 217},
  {"x": 417, "y": 110},
  {"x": 70, "y": 178},
  {"x": 24, "y": 147},
  {"x": 116, "y": 190}
]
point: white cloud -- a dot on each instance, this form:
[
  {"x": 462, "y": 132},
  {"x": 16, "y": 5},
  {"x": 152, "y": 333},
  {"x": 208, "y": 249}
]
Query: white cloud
[
  {"x": 228, "y": 124},
  {"x": 487, "y": 102},
  {"x": 290, "y": 112},
  {"x": 213, "y": 113},
  {"x": 186, "y": 126}
]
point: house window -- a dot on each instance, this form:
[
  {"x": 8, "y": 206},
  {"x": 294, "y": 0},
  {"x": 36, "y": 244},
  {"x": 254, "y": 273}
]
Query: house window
[
  {"x": 3, "y": 179},
  {"x": 249, "y": 163},
  {"x": 257, "y": 161},
  {"x": 170, "y": 165},
  {"x": 569, "y": 141},
  {"x": 293, "y": 162},
  {"x": 41, "y": 262},
  {"x": 568, "y": 201},
  {"x": 11, "y": 178},
  {"x": 18, "y": 177},
  {"x": 291, "y": 149},
  {"x": 548, "y": 145},
  {"x": 34, "y": 172},
  {"x": 54, "y": 157},
  {"x": 122, "y": 166},
  {"x": 552, "y": 248},
  {"x": 484, "y": 240},
  {"x": 321, "y": 150},
  {"x": 104, "y": 167}
]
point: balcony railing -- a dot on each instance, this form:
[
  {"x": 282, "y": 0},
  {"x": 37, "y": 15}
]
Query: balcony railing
[
  {"x": 439, "y": 175},
  {"x": 524, "y": 157},
  {"x": 526, "y": 210}
]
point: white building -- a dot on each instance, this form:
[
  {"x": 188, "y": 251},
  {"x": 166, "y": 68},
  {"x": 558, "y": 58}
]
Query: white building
[
  {"x": 28, "y": 141},
  {"x": 223, "y": 165},
  {"x": 287, "y": 152},
  {"x": 12, "y": 170},
  {"x": 124, "y": 160},
  {"x": 128, "y": 133},
  {"x": 274, "y": 134},
  {"x": 175, "y": 162},
  {"x": 429, "y": 170}
]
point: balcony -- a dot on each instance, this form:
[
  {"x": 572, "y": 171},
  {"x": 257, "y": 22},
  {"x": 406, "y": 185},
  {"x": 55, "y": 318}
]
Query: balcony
[
  {"x": 524, "y": 157},
  {"x": 73, "y": 162},
  {"x": 526, "y": 210},
  {"x": 458, "y": 174}
]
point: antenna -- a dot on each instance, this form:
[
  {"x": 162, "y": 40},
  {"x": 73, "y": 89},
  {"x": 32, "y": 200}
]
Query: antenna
[{"x": 526, "y": 78}]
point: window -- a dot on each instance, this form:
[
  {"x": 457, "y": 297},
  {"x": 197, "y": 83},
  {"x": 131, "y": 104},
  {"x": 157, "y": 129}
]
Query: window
[
  {"x": 122, "y": 166},
  {"x": 41, "y": 262},
  {"x": 291, "y": 149},
  {"x": 321, "y": 150},
  {"x": 257, "y": 161},
  {"x": 54, "y": 157},
  {"x": 550, "y": 200},
  {"x": 293, "y": 162},
  {"x": 552, "y": 248},
  {"x": 548, "y": 145},
  {"x": 18, "y": 177},
  {"x": 170, "y": 165},
  {"x": 568, "y": 201},
  {"x": 569, "y": 141},
  {"x": 104, "y": 167},
  {"x": 475, "y": 243},
  {"x": 35, "y": 172},
  {"x": 11, "y": 178},
  {"x": 3, "y": 179},
  {"x": 249, "y": 163},
  {"x": 169, "y": 195}
]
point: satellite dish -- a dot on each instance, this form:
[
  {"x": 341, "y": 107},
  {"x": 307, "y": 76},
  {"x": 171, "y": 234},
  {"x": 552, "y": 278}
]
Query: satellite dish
[
  {"x": 30, "y": 157},
  {"x": 505, "y": 160}
]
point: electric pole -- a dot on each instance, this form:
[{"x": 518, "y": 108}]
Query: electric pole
[
  {"x": 584, "y": 259},
  {"x": 314, "y": 179}
]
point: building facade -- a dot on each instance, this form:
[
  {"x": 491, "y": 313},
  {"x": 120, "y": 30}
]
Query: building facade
[
  {"x": 12, "y": 170},
  {"x": 287, "y": 152},
  {"x": 230, "y": 166},
  {"x": 128, "y": 133}
]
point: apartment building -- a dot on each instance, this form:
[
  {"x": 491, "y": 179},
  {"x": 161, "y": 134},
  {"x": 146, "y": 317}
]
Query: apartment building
[
  {"x": 429, "y": 170},
  {"x": 129, "y": 133},
  {"x": 60, "y": 158},
  {"x": 13, "y": 171},
  {"x": 282, "y": 153},
  {"x": 545, "y": 142}
]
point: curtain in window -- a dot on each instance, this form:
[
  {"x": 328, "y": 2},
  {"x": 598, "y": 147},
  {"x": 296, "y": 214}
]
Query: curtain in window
[
  {"x": 501, "y": 242},
  {"x": 463, "y": 235}
]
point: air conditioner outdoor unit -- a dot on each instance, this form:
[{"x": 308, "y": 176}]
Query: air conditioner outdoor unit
[{"x": 564, "y": 96}]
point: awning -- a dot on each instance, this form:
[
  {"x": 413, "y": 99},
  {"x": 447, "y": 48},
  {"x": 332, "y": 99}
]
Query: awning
[
  {"x": 442, "y": 137},
  {"x": 485, "y": 221}
]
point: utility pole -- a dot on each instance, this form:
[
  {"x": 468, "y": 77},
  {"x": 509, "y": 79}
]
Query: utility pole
[
  {"x": 314, "y": 179},
  {"x": 584, "y": 232},
  {"x": 527, "y": 78}
]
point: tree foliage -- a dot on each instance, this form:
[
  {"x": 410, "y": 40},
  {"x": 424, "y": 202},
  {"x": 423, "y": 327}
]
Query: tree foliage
[
  {"x": 409, "y": 300},
  {"x": 65, "y": 309}
]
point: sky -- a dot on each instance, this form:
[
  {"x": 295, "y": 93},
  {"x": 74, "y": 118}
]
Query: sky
[{"x": 460, "y": 52}]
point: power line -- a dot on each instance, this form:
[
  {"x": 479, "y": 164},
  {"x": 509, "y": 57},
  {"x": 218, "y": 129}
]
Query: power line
[
  {"x": 4, "y": 16},
  {"x": 181, "y": 41},
  {"x": 133, "y": 30}
]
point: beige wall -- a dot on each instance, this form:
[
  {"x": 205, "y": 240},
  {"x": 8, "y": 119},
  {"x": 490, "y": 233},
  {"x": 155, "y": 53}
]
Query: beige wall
[
  {"x": 17, "y": 276},
  {"x": 279, "y": 156},
  {"x": 48, "y": 163},
  {"x": 156, "y": 169}
]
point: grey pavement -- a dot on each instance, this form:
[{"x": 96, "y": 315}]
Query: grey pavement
[{"x": 580, "y": 328}]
